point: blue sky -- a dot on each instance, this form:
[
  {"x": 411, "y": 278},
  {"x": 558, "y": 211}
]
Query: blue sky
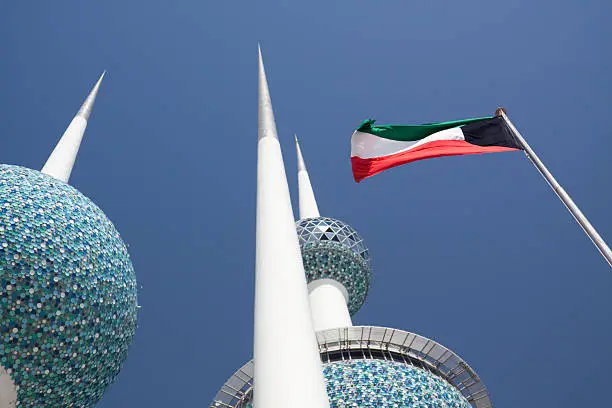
[{"x": 475, "y": 252}]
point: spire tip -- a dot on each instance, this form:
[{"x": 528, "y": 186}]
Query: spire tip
[
  {"x": 87, "y": 106},
  {"x": 60, "y": 162},
  {"x": 267, "y": 126},
  {"x": 307, "y": 201},
  {"x": 300, "y": 158}
]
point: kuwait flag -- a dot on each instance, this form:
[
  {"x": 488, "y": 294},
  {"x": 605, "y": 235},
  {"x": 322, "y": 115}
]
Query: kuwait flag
[{"x": 378, "y": 148}]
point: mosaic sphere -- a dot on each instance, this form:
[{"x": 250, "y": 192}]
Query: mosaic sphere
[
  {"x": 332, "y": 249},
  {"x": 384, "y": 384},
  {"x": 67, "y": 293},
  {"x": 388, "y": 384}
]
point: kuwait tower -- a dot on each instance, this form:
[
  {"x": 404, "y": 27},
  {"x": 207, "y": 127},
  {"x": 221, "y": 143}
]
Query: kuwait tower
[
  {"x": 67, "y": 286},
  {"x": 311, "y": 277}
]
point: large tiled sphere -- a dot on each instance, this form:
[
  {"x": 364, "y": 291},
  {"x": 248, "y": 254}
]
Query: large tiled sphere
[
  {"x": 388, "y": 384},
  {"x": 332, "y": 249},
  {"x": 67, "y": 293},
  {"x": 384, "y": 384}
]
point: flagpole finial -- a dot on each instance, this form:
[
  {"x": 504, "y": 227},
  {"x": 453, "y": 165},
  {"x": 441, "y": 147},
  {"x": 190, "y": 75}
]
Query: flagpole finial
[
  {"x": 87, "y": 106},
  {"x": 499, "y": 111}
]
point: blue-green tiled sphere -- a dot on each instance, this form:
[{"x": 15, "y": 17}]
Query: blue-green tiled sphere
[
  {"x": 388, "y": 384},
  {"x": 385, "y": 384},
  {"x": 67, "y": 292},
  {"x": 332, "y": 249}
]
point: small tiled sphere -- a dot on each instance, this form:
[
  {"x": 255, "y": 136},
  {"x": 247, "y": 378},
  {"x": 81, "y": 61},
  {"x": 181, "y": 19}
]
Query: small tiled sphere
[
  {"x": 388, "y": 384},
  {"x": 67, "y": 292},
  {"x": 332, "y": 249}
]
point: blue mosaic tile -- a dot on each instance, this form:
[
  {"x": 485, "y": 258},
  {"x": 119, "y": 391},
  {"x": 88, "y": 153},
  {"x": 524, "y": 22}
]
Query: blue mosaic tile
[
  {"x": 332, "y": 249},
  {"x": 388, "y": 384},
  {"x": 67, "y": 292},
  {"x": 384, "y": 384}
]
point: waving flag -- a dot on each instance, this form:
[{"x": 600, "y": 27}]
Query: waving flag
[{"x": 378, "y": 148}]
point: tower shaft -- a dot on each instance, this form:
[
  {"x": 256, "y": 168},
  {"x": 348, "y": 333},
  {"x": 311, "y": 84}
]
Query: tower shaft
[
  {"x": 328, "y": 298},
  {"x": 288, "y": 369}
]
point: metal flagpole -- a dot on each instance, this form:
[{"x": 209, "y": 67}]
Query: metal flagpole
[{"x": 563, "y": 196}]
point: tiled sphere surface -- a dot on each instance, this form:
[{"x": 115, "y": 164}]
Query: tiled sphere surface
[
  {"x": 332, "y": 249},
  {"x": 388, "y": 384},
  {"x": 385, "y": 384},
  {"x": 67, "y": 292}
]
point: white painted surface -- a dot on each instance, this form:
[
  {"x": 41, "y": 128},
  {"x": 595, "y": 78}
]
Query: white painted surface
[
  {"x": 59, "y": 165},
  {"x": 308, "y": 204},
  {"x": 328, "y": 298},
  {"x": 8, "y": 393},
  {"x": 328, "y": 304},
  {"x": 288, "y": 370},
  {"x": 367, "y": 146}
]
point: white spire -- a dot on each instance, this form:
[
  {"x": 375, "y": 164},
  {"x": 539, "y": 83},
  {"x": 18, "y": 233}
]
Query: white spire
[
  {"x": 288, "y": 368},
  {"x": 328, "y": 298},
  {"x": 308, "y": 204},
  {"x": 61, "y": 161}
]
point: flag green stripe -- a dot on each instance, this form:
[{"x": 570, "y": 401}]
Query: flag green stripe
[{"x": 412, "y": 132}]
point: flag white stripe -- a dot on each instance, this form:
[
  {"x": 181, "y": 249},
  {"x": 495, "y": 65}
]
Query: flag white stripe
[{"x": 367, "y": 145}]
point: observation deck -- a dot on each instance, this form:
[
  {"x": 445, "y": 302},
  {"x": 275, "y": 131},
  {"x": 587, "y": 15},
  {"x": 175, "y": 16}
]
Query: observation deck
[{"x": 373, "y": 343}]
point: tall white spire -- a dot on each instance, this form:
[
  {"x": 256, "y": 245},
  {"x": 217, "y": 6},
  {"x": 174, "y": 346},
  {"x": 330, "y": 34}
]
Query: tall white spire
[
  {"x": 328, "y": 298},
  {"x": 61, "y": 161},
  {"x": 288, "y": 370},
  {"x": 308, "y": 204}
]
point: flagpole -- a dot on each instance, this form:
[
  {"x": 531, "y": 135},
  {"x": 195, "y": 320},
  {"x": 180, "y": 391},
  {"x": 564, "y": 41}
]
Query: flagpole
[{"x": 563, "y": 196}]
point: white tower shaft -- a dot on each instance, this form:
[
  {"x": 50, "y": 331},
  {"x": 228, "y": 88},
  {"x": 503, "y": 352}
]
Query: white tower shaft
[
  {"x": 328, "y": 298},
  {"x": 61, "y": 161},
  {"x": 288, "y": 370}
]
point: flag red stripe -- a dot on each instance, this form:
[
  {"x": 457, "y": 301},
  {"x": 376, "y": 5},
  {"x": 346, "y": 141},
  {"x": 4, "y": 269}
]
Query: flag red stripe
[{"x": 363, "y": 168}]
